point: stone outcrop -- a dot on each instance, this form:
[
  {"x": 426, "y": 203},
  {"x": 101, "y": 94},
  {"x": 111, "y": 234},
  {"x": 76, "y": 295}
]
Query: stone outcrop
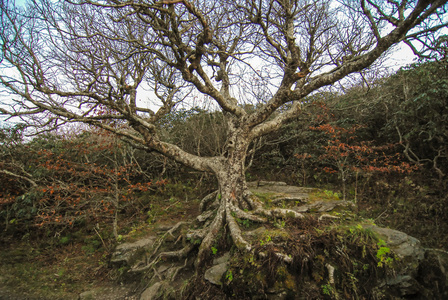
[{"x": 419, "y": 273}]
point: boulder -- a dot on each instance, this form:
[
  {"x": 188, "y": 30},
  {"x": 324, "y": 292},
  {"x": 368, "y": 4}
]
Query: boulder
[
  {"x": 419, "y": 273},
  {"x": 403, "y": 245},
  {"x": 127, "y": 253}
]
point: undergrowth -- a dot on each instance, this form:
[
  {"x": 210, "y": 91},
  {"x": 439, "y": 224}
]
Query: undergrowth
[{"x": 60, "y": 263}]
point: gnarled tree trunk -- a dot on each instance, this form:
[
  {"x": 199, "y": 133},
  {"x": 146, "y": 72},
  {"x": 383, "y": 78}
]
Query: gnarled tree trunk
[
  {"x": 233, "y": 200},
  {"x": 232, "y": 190}
]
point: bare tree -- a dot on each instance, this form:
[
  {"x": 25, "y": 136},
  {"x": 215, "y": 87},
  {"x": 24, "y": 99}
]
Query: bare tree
[{"x": 92, "y": 61}]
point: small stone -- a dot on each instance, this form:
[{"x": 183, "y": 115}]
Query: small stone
[
  {"x": 223, "y": 259},
  {"x": 152, "y": 292},
  {"x": 215, "y": 273}
]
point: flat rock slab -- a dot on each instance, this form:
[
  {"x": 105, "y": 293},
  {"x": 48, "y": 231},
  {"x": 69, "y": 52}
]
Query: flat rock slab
[
  {"x": 323, "y": 206},
  {"x": 282, "y": 190}
]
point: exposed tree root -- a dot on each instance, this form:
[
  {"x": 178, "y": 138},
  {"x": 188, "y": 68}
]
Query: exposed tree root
[
  {"x": 252, "y": 200},
  {"x": 197, "y": 235},
  {"x": 235, "y": 232},
  {"x": 216, "y": 213},
  {"x": 233, "y": 212},
  {"x": 156, "y": 273},
  {"x": 210, "y": 197},
  {"x": 202, "y": 218},
  {"x": 227, "y": 213},
  {"x": 212, "y": 232},
  {"x": 330, "y": 269},
  {"x": 182, "y": 253},
  {"x": 258, "y": 209},
  {"x": 178, "y": 269},
  {"x": 163, "y": 238},
  {"x": 279, "y": 213},
  {"x": 163, "y": 255},
  {"x": 327, "y": 216},
  {"x": 241, "y": 214},
  {"x": 285, "y": 258}
]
